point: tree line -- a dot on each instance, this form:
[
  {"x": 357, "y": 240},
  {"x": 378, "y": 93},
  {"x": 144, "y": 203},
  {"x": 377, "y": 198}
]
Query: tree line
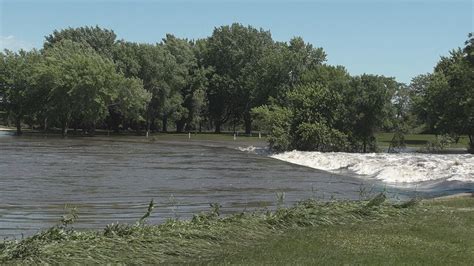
[{"x": 239, "y": 77}]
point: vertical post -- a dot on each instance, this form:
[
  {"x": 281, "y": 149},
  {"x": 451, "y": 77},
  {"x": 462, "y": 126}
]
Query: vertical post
[
  {"x": 259, "y": 135},
  {"x": 189, "y": 135},
  {"x": 147, "y": 133},
  {"x": 235, "y": 137}
]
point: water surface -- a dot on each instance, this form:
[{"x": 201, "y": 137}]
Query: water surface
[{"x": 113, "y": 179}]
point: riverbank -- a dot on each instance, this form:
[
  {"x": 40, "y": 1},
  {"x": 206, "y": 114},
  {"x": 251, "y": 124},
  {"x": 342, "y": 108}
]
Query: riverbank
[
  {"x": 437, "y": 232},
  {"x": 374, "y": 231},
  {"x": 3, "y": 128},
  {"x": 414, "y": 142}
]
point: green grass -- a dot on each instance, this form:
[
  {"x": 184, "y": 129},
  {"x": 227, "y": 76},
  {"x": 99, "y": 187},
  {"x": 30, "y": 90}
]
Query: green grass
[
  {"x": 204, "y": 136},
  {"x": 383, "y": 139},
  {"x": 208, "y": 136},
  {"x": 417, "y": 140},
  {"x": 311, "y": 232},
  {"x": 437, "y": 233}
]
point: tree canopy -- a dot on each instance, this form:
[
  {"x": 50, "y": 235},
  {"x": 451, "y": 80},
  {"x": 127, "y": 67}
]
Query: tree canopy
[
  {"x": 239, "y": 78},
  {"x": 444, "y": 99}
]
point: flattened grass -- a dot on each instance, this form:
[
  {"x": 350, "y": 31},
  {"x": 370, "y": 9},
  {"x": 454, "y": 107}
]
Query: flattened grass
[
  {"x": 201, "y": 238},
  {"x": 310, "y": 232}
]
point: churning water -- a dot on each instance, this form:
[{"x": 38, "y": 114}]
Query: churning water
[
  {"x": 113, "y": 179},
  {"x": 400, "y": 169}
]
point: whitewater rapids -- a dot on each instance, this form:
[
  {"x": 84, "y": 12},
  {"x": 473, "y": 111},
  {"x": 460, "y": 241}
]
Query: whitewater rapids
[
  {"x": 389, "y": 167},
  {"x": 392, "y": 168}
]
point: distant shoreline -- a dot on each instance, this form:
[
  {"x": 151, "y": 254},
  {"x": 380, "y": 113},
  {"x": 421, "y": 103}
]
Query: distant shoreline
[
  {"x": 5, "y": 128},
  {"x": 383, "y": 139}
]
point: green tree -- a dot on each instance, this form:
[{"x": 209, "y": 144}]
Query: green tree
[
  {"x": 317, "y": 110},
  {"x": 368, "y": 104},
  {"x": 192, "y": 84},
  {"x": 276, "y": 120},
  {"x": 448, "y": 101},
  {"x": 101, "y": 40},
  {"x": 162, "y": 77},
  {"x": 82, "y": 84},
  {"x": 418, "y": 89},
  {"x": 130, "y": 104},
  {"x": 308, "y": 120},
  {"x": 20, "y": 96},
  {"x": 234, "y": 52}
]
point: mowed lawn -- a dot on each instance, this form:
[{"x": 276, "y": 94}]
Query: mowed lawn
[
  {"x": 383, "y": 139},
  {"x": 439, "y": 233},
  {"x": 417, "y": 140}
]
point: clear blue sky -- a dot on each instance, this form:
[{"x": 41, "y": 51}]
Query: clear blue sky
[{"x": 394, "y": 38}]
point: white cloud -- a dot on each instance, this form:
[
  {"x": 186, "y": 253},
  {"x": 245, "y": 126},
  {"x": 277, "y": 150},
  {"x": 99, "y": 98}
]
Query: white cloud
[{"x": 12, "y": 43}]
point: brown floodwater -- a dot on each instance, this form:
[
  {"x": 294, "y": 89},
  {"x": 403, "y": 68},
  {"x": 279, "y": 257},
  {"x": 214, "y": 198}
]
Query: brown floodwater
[{"x": 113, "y": 179}]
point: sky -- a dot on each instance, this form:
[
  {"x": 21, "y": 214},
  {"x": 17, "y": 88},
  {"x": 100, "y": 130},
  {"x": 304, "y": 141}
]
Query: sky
[{"x": 399, "y": 39}]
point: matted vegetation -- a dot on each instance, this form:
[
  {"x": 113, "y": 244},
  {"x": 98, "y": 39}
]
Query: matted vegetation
[{"x": 208, "y": 237}]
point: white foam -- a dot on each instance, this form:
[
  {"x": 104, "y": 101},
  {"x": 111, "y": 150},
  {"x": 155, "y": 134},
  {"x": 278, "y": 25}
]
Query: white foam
[
  {"x": 256, "y": 150},
  {"x": 389, "y": 167}
]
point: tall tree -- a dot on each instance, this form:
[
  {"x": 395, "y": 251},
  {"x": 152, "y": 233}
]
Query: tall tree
[
  {"x": 186, "y": 62},
  {"x": 448, "y": 100},
  {"x": 99, "y": 39},
  {"x": 368, "y": 103},
  {"x": 161, "y": 76},
  {"x": 82, "y": 84},
  {"x": 234, "y": 53},
  {"x": 20, "y": 95}
]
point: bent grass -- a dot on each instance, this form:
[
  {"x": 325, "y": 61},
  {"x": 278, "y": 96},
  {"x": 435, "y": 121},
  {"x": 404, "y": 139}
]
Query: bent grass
[{"x": 204, "y": 238}]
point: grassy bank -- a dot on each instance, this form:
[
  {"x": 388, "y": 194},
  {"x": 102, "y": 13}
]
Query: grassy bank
[
  {"x": 434, "y": 233},
  {"x": 383, "y": 139},
  {"x": 418, "y": 140},
  {"x": 335, "y": 232}
]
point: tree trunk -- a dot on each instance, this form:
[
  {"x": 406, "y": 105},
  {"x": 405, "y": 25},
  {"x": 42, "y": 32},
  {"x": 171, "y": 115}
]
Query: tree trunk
[
  {"x": 218, "y": 127},
  {"x": 248, "y": 124},
  {"x": 147, "y": 128},
  {"x": 471, "y": 144},
  {"x": 92, "y": 130},
  {"x": 165, "y": 123},
  {"x": 152, "y": 126},
  {"x": 64, "y": 129},
  {"x": 18, "y": 126},
  {"x": 180, "y": 126}
]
